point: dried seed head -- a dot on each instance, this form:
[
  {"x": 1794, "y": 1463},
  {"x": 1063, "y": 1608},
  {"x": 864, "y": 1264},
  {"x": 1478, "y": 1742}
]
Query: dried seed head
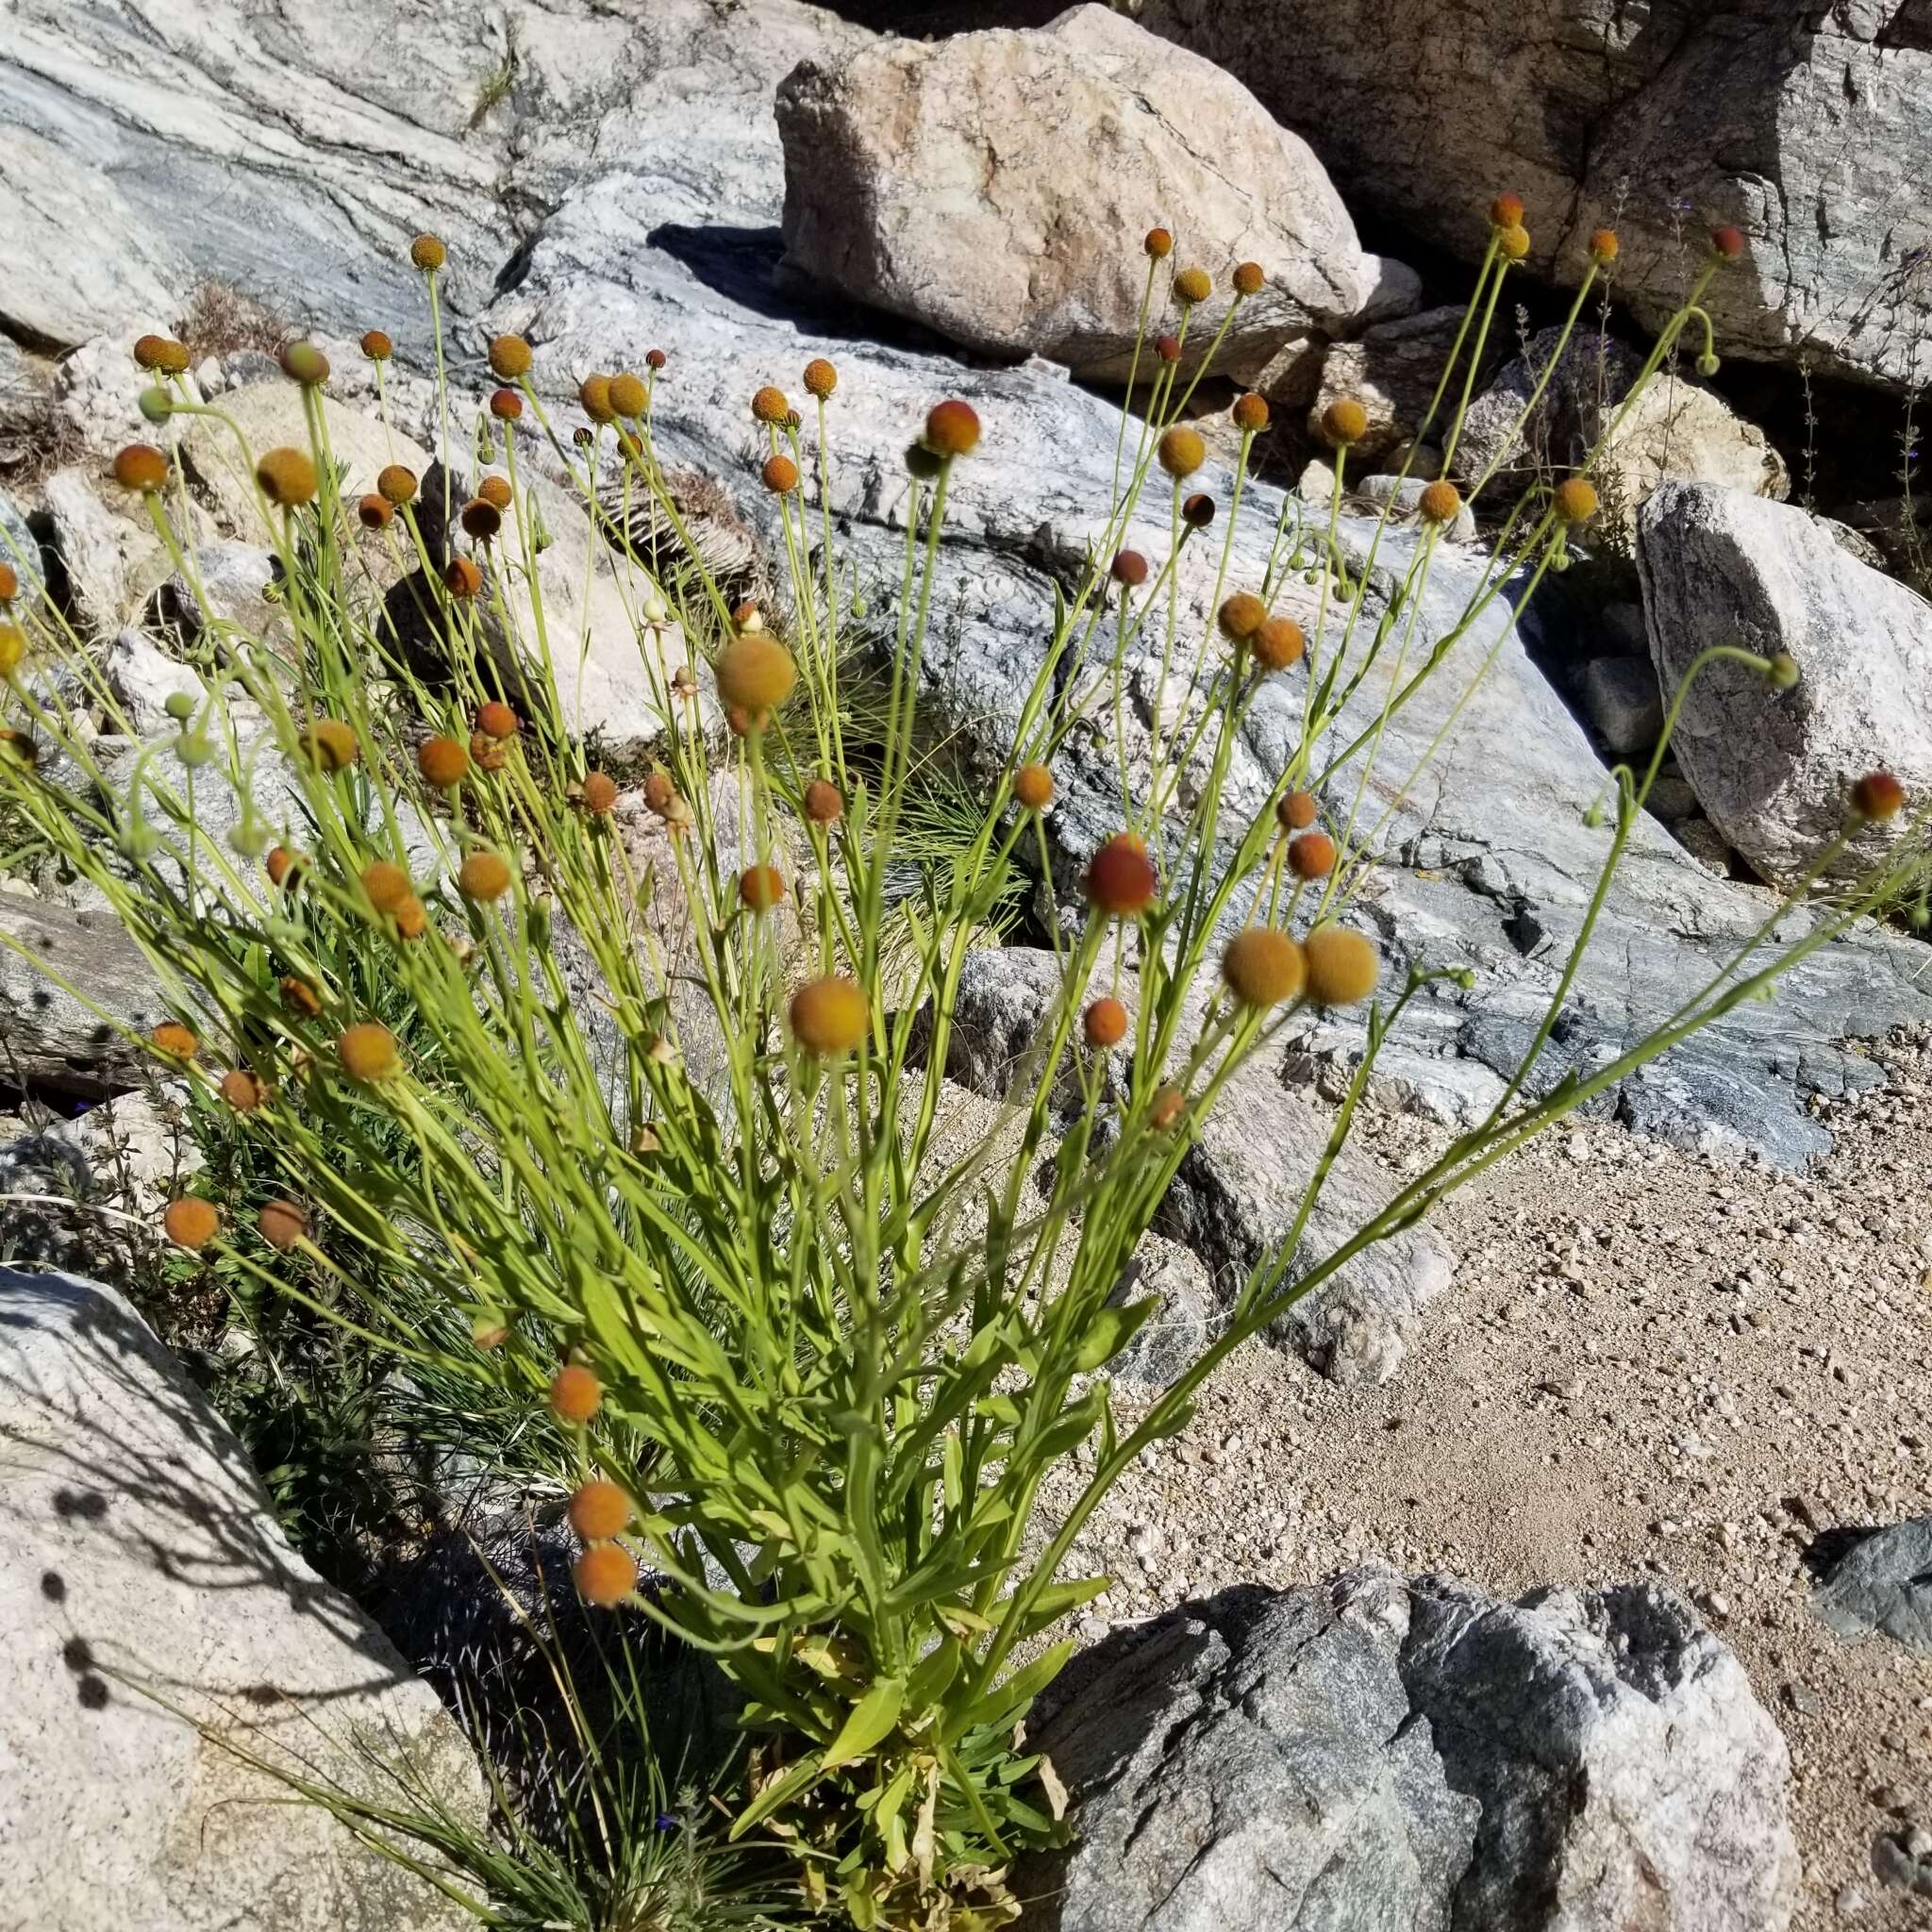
[
  {"x": 1277, "y": 643},
  {"x": 1166, "y": 346},
  {"x": 331, "y": 745},
  {"x": 655, "y": 358},
  {"x": 1344, "y": 422},
  {"x": 1577, "y": 499},
  {"x": 495, "y": 492},
  {"x": 140, "y": 466},
  {"x": 190, "y": 1223},
  {"x": 284, "y": 868},
  {"x": 1251, "y": 413},
  {"x": 1343, "y": 967},
  {"x": 1506, "y": 211},
  {"x": 755, "y": 673},
  {"x": 1263, "y": 967},
  {"x": 1603, "y": 247},
  {"x": 506, "y": 404},
  {"x": 829, "y": 1016},
  {"x": 496, "y": 720},
  {"x": 443, "y": 762},
  {"x": 397, "y": 484},
  {"x": 1878, "y": 796},
  {"x": 1297, "y": 811},
  {"x": 1311, "y": 856},
  {"x": 243, "y": 1091},
  {"x": 1727, "y": 243},
  {"x": 600, "y": 793},
  {"x": 386, "y": 885},
  {"x": 1121, "y": 878},
  {"x": 367, "y": 1052},
  {"x": 952, "y": 429},
  {"x": 461, "y": 577},
  {"x": 1250, "y": 278},
  {"x": 824, "y": 804},
  {"x": 1192, "y": 285},
  {"x": 1128, "y": 567},
  {"x": 761, "y": 886},
  {"x": 304, "y": 363},
  {"x": 180, "y": 1043},
  {"x": 780, "y": 475},
  {"x": 1106, "y": 1022},
  {"x": 1182, "y": 452},
  {"x": 1158, "y": 243},
  {"x": 1033, "y": 787},
  {"x": 658, "y": 791},
  {"x": 287, "y": 477},
  {"x": 301, "y": 998},
  {"x": 376, "y": 345},
  {"x": 483, "y": 876},
  {"x": 575, "y": 1393},
  {"x": 1440, "y": 501},
  {"x": 599, "y": 1510},
  {"x": 606, "y": 1575},
  {"x": 509, "y": 357},
  {"x": 1197, "y": 512},
  {"x": 374, "y": 513},
  {"x": 12, "y": 649},
  {"x": 628, "y": 395},
  {"x": 427, "y": 253},
  {"x": 594, "y": 397},
  {"x": 1241, "y": 616},
  {"x": 820, "y": 377},
  {"x": 1513, "y": 243},
  {"x": 1170, "y": 1104},
  {"x": 281, "y": 1224},
  {"x": 481, "y": 521},
  {"x": 767, "y": 405}
]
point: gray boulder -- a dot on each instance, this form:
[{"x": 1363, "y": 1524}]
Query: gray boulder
[
  {"x": 1882, "y": 1584},
  {"x": 1373, "y": 1753},
  {"x": 1392, "y": 370},
  {"x": 1623, "y": 702},
  {"x": 156, "y": 1626},
  {"x": 1903, "y": 1860},
  {"x": 70, "y": 1042},
  {"x": 1769, "y": 767}
]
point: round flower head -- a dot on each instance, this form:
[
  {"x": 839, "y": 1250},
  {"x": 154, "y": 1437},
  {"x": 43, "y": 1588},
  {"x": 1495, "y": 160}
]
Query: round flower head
[
  {"x": 1782, "y": 672},
  {"x": 150, "y": 352},
  {"x": 243, "y": 1091},
  {"x": 481, "y": 521},
  {"x": 1311, "y": 855},
  {"x": 761, "y": 886},
  {"x": 952, "y": 429},
  {"x": 747, "y": 616},
  {"x": 1241, "y": 616},
  {"x": 367, "y": 1052},
  {"x": 767, "y": 405},
  {"x": 1197, "y": 512},
  {"x": 12, "y": 649},
  {"x": 1158, "y": 243},
  {"x": 281, "y": 1224},
  {"x": 655, "y": 358},
  {"x": 1878, "y": 796},
  {"x": 1166, "y": 346},
  {"x": 300, "y": 997},
  {"x": 174, "y": 356},
  {"x": 1513, "y": 243},
  {"x": 1296, "y": 812},
  {"x": 594, "y": 397},
  {"x": 1440, "y": 500},
  {"x": 1128, "y": 567},
  {"x": 506, "y": 404},
  {"x": 462, "y": 577},
  {"x": 780, "y": 476},
  {"x": 604, "y": 1575},
  {"x": 304, "y": 363},
  {"x": 658, "y": 791},
  {"x": 1603, "y": 247},
  {"x": 443, "y": 762},
  {"x": 1121, "y": 879},
  {"x": 509, "y": 357},
  {"x": 427, "y": 253},
  {"x": 287, "y": 477},
  {"x": 824, "y": 804},
  {"x": 386, "y": 885},
  {"x": 1170, "y": 1104},
  {"x": 598, "y": 1511},
  {"x": 374, "y": 513},
  {"x": 140, "y": 466},
  {"x": 284, "y": 868},
  {"x": 156, "y": 404},
  {"x": 755, "y": 673},
  {"x": 1344, "y": 422},
  {"x": 1343, "y": 967},
  {"x": 1576, "y": 500},
  {"x": 496, "y": 720},
  {"x": 600, "y": 793},
  {"x": 1251, "y": 413},
  {"x": 1182, "y": 452},
  {"x": 1277, "y": 643},
  {"x": 628, "y": 395},
  {"x": 376, "y": 345},
  {"x": 829, "y": 1016},
  {"x": 494, "y": 491},
  {"x": 178, "y": 1041},
  {"x": 1250, "y": 278},
  {"x": 397, "y": 484},
  {"x": 412, "y": 918},
  {"x": 1263, "y": 967},
  {"x": 820, "y": 377},
  {"x": 1106, "y": 1022},
  {"x": 574, "y": 1393},
  {"x": 1033, "y": 787},
  {"x": 1192, "y": 285},
  {"x": 190, "y": 1223},
  {"x": 1727, "y": 243},
  {"x": 331, "y": 745},
  {"x": 1506, "y": 211},
  {"x": 483, "y": 876},
  {"x": 9, "y": 583}
]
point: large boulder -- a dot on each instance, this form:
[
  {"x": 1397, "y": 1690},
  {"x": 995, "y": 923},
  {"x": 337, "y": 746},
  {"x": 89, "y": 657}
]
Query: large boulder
[
  {"x": 1771, "y": 767},
  {"x": 158, "y": 1632},
  {"x": 1739, "y": 111},
  {"x": 1417, "y": 1758},
  {"x": 70, "y": 983},
  {"x": 940, "y": 180}
]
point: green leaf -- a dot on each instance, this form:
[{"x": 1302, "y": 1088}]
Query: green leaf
[
  {"x": 794, "y": 1784},
  {"x": 1110, "y": 1331},
  {"x": 1006, "y": 1701},
  {"x": 871, "y": 1722}
]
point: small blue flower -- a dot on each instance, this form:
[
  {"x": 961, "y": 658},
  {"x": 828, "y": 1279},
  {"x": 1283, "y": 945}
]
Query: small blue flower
[{"x": 667, "y": 1821}]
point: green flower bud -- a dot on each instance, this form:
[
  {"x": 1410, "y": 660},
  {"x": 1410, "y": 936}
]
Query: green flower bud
[
  {"x": 179, "y": 707},
  {"x": 194, "y": 749},
  {"x": 250, "y": 837},
  {"x": 1782, "y": 672},
  {"x": 156, "y": 405},
  {"x": 1708, "y": 364}
]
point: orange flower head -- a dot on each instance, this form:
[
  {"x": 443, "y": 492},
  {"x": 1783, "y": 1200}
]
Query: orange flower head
[
  {"x": 1170, "y": 1104},
  {"x": 599, "y": 1510},
  {"x": 483, "y": 876},
  {"x": 281, "y": 1224},
  {"x": 374, "y": 513},
  {"x": 427, "y": 253},
  {"x": 304, "y": 363},
  {"x": 1878, "y": 796},
  {"x": 386, "y": 885},
  {"x": 443, "y": 762},
  {"x": 628, "y": 395},
  {"x": 287, "y": 477},
  {"x": 9, "y": 583},
  {"x": 820, "y": 377},
  {"x": 1343, "y": 967},
  {"x": 1106, "y": 1022},
  {"x": 1577, "y": 499},
  {"x": 655, "y": 358},
  {"x": 1277, "y": 643},
  {"x": 509, "y": 357},
  {"x": 1197, "y": 512},
  {"x": 331, "y": 745},
  {"x": 462, "y": 578},
  {"x": 1506, "y": 211},
  {"x": 1241, "y": 616},
  {"x": 1033, "y": 787},
  {"x": 397, "y": 484},
  {"x": 368, "y": 1053},
  {"x": 1128, "y": 567},
  {"x": 767, "y": 405},
  {"x": 1440, "y": 500},
  {"x": 412, "y": 918},
  {"x": 1513, "y": 243},
  {"x": 140, "y": 466},
  {"x": 1263, "y": 967},
  {"x": 1192, "y": 285},
  {"x": 150, "y": 352},
  {"x": 780, "y": 475},
  {"x": 1158, "y": 243},
  {"x": 284, "y": 867},
  {"x": 755, "y": 673},
  {"x": 600, "y": 793},
  {"x": 481, "y": 521},
  {"x": 606, "y": 1574},
  {"x": 761, "y": 888},
  {"x": 824, "y": 804},
  {"x": 1603, "y": 247},
  {"x": 575, "y": 1393},
  {"x": 301, "y": 998},
  {"x": 1166, "y": 346},
  {"x": 243, "y": 1091},
  {"x": 952, "y": 429},
  {"x": 1251, "y": 413},
  {"x": 1727, "y": 243},
  {"x": 829, "y": 1016},
  {"x": 496, "y": 720},
  {"x": 1121, "y": 878},
  {"x": 594, "y": 397},
  {"x": 1311, "y": 856},
  {"x": 190, "y": 1223},
  {"x": 1250, "y": 278},
  {"x": 1344, "y": 422},
  {"x": 506, "y": 404},
  {"x": 658, "y": 791},
  {"x": 376, "y": 345},
  {"x": 1297, "y": 811},
  {"x": 1182, "y": 451},
  {"x": 495, "y": 492},
  {"x": 178, "y": 1041}
]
